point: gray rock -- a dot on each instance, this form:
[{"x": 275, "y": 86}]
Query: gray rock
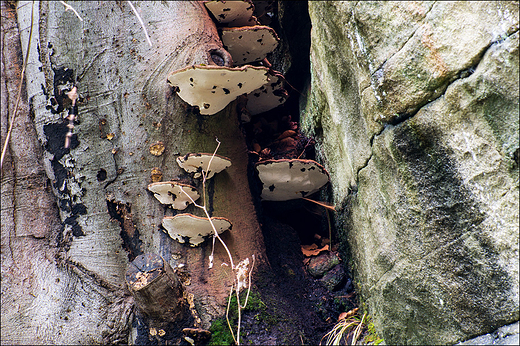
[
  {"x": 319, "y": 265},
  {"x": 506, "y": 335},
  {"x": 334, "y": 278},
  {"x": 415, "y": 109}
]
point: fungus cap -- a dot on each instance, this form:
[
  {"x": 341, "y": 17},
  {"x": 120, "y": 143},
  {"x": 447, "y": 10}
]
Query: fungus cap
[
  {"x": 230, "y": 11},
  {"x": 212, "y": 88},
  {"x": 249, "y": 43},
  {"x": 268, "y": 96},
  {"x": 193, "y": 227},
  {"x": 287, "y": 179},
  {"x": 171, "y": 192},
  {"x": 196, "y": 163}
]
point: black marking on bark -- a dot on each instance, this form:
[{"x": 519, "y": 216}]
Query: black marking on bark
[
  {"x": 121, "y": 212},
  {"x": 101, "y": 175},
  {"x": 63, "y": 82},
  {"x": 55, "y": 135},
  {"x": 76, "y": 228}
]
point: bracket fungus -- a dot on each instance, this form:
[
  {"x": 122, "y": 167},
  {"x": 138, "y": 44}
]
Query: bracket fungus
[
  {"x": 193, "y": 227},
  {"x": 196, "y": 163},
  {"x": 268, "y": 96},
  {"x": 171, "y": 192},
  {"x": 230, "y": 11},
  {"x": 249, "y": 43},
  {"x": 287, "y": 179},
  {"x": 212, "y": 88}
]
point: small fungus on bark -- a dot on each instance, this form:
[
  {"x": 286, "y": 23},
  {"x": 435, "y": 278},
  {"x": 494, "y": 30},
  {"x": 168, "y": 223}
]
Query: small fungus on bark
[
  {"x": 171, "y": 192},
  {"x": 288, "y": 179},
  {"x": 230, "y": 11},
  {"x": 268, "y": 96},
  {"x": 211, "y": 88},
  {"x": 195, "y": 228},
  {"x": 249, "y": 43},
  {"x": 196, "y": 163}
]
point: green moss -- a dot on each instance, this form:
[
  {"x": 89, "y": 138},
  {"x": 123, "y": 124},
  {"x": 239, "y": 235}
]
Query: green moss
[
  {"x": 220, "y": 334},
  {"x": 371, "y": 336}
]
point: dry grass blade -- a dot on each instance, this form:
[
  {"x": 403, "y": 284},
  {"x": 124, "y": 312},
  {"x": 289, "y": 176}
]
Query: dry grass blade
[{"x": 347, "y": 329}]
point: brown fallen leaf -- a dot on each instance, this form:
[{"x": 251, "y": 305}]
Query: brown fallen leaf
[
  {"x": 345, "y": 315},
  {"x": 313, "y": 250}
]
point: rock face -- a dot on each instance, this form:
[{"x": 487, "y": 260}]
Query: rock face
[{"x": 415, "y": 109}]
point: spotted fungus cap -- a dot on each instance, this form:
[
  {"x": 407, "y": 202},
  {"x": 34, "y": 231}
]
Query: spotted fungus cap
[
  {"x": 171, "y": 192},
  {"x": 268, "y": 96},
  {"x": 194, "y": 228},
  {"x": 196, "y": 163},
  {"x": 230, "y": 11},
  {"x": 212, "y": 88},
  {"x": 249, "y": 43},
  {"x": 287, "y": 179}
]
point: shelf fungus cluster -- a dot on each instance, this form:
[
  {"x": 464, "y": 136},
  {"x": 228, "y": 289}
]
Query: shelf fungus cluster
[
  {"x": 188, "y": 228},
  {"x": 211, "y": 88}
]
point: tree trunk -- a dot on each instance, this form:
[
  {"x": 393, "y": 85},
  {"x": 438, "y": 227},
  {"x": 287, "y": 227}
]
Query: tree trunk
[{"x": 65, "y": 251}]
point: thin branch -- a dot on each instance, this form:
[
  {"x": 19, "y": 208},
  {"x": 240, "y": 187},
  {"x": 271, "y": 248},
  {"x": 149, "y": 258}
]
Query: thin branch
[
  {"x": 321, "y": 203},
  {"x": 8, "y": 136},
  {"x": 141, "y": 22},
  {"x": 68, "y": 7}
]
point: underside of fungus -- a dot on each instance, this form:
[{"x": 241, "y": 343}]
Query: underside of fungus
[
  {"x": 249, "y": 43},
  {"x": 290, "y": 179},
  {"x": 174, "y": 193},
  {"x": 212, "y": 88},
  {"x": 230, "y": 11},
  {"x": 182, "y": 227},
  {"x": 196, "y": 163}
]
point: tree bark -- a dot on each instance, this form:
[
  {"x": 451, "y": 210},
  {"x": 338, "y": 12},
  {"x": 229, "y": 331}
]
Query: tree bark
[{"x": 73, "y": 218}]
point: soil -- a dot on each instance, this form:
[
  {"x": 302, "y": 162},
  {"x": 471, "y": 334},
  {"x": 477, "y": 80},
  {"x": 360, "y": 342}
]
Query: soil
[{"x": 302, "y": 310}]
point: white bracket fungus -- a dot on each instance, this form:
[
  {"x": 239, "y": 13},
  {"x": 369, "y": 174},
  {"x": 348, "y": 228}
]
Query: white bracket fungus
[
  {"x": 230, "y": 11},
  {"x": 193, "y": 227},
  {"x": 196, "y": 163},
  {"x": 249, "y": 43},
  {"x": 290, "y": 179},
  {"x": 268, "y": 96},
  {"x": 212, "y": 88},
  {"x": 171, "y": 192}
]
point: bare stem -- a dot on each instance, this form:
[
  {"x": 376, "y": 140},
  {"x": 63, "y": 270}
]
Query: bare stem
[{"x": 68, "y": 7}]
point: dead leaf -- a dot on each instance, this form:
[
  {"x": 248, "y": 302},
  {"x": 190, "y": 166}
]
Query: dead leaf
[
  {"x": 345, "y": 315},
  {"x": 312, "y": 250}
]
